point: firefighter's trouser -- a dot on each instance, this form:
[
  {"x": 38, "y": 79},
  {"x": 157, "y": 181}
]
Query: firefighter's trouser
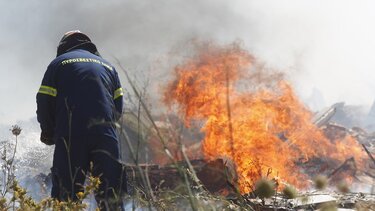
[{"x": 74, "y": 159}]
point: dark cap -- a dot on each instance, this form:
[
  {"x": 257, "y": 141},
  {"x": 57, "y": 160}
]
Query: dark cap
[{"x": 76, "y": 40}]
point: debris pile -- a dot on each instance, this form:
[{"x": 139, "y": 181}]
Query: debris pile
[{"x": 255, "y": 127}]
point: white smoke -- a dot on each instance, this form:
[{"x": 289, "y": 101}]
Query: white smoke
[{"x": 323, "y": 45}]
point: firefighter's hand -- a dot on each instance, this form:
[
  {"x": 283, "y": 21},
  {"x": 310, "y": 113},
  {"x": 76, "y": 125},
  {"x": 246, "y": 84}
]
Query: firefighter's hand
[{"x": 46, "y": 139}]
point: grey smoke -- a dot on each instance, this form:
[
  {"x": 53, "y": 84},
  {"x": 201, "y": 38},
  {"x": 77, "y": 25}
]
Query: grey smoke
[{"x": 322, "y": 45}]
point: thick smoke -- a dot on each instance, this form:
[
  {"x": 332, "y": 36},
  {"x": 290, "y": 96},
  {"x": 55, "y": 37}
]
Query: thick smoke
[{"x": 325, "y": 47}]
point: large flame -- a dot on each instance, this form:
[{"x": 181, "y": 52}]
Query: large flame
[{"x": 265, "y": 131}]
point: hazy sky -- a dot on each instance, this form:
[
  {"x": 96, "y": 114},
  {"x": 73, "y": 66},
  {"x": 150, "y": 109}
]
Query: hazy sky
[{"x": 326, "y": 47}]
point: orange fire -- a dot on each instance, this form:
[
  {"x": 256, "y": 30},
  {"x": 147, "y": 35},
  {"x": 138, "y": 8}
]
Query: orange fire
[{"x": 266, "y": 131}]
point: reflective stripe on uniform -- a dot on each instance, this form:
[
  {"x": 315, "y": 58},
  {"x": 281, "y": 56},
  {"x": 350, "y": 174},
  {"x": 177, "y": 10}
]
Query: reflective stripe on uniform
[
  {"x": 118, "y": 93},
  {"x": 47, "y": 90}
]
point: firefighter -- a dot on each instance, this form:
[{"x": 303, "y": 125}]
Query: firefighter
[{"x": 78, "y": 103}]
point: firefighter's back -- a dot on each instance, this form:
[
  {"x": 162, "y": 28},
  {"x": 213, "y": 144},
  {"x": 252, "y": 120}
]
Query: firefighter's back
[{"x": 84, "y": 104}]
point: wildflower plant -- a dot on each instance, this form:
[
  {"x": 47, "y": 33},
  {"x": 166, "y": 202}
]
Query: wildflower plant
[
  {"x": 8, "y": 153},
  {"x": 290, "y": 192},
  {"x": 265, "y": 188},
  {"x": 320, "y": 182}
]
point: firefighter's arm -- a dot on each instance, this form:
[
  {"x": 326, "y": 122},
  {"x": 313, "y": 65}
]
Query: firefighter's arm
[
  {"x": 118, "y": 96},
  {"x": 46, "y": 106}
]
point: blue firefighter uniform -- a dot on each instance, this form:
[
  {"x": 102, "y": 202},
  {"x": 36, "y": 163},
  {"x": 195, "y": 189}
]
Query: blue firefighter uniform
[{"x": 79, "y": 101}]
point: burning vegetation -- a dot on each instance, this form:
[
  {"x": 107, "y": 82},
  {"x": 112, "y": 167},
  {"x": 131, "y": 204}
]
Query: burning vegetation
[
  {"x": 253, "y": 117},
  {"x": 260, "y": 145}
]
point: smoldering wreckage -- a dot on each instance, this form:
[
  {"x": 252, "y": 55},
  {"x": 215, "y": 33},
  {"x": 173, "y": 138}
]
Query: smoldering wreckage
[
  {"x": 219, "y": 176},
  {"x": 227, "y": 135}
]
